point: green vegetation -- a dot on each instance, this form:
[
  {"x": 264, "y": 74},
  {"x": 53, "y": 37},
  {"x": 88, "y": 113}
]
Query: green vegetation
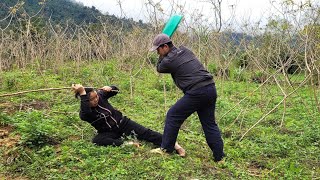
[
  {"x": 53, "y": 143},
  {"x": 267, "y": 81}
]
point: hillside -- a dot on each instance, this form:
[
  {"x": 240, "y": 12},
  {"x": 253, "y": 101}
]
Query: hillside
[{"x": 58, "y": 11}]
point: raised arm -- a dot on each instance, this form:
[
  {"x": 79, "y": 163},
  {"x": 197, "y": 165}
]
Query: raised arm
[
  {"x": 85, "y": 110},
  {"x": 163, "y": 65},
  {"x": 109, "y": 91}
]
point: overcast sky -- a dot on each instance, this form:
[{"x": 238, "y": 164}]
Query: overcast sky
[
  {"x": 244, "y": 11},
  {"x": 136, "y": 9}
]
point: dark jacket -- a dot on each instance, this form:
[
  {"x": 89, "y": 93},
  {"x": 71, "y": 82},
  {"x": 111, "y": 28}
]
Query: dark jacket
[
  {"x": 186, "y": 70},
  {"x": 103, "y": 117}
]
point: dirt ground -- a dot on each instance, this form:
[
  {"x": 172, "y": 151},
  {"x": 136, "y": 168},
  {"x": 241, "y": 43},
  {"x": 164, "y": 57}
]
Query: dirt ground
[
  {"x": 8, "y": 141},
  {"x": 5, "y": 138}
]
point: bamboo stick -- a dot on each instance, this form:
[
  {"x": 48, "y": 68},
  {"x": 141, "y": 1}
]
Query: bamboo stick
[{"x": 40, "y": 90}]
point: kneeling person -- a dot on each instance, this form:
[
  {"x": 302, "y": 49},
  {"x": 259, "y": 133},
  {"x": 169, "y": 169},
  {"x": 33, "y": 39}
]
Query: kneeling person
[{"x": 110, "y": 124}]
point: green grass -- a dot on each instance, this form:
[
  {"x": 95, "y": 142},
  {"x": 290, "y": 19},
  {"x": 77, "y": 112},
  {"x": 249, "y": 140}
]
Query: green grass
[{"x": 55, "y": 144}]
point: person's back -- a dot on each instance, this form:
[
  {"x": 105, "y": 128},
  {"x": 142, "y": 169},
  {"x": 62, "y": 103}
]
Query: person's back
[{"x": 186, "y": 70}]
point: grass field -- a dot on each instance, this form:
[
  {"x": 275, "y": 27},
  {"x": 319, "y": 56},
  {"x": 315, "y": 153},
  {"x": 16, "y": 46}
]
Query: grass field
[{"x": 43, "y": 137}]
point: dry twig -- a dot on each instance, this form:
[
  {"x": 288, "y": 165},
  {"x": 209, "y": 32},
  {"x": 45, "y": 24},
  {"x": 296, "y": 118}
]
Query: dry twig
[
  {"x": 264, "y": 116},
  {"x": 40, "y": 90}
]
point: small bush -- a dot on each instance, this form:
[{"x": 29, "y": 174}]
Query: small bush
[
  {"x": 153, "y": 59},
  {"x": 11, "y": 83},
  {"x": 163, "y": 81},
  {"x": 212, "y": 68},
  {"x": 36, "y": 130},
  {"x": 258, "y": 77},
  {"x": 5, "y": 120},
  {"x": 240, "y": 75}
]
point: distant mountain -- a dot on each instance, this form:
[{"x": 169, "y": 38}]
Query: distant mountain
[
  {"x": 235, "y": 37},
  {"x": 58, "y": 11},
  {"x": 73, "y": 13}
]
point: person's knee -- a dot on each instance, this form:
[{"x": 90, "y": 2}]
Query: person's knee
[
  {"x": 96, "y": 142},
  {"x": 175, "y": 116},
  {"x": 171, "y": 113},
  {"x": 99, "y": 141}
]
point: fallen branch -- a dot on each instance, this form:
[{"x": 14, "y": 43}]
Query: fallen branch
[
  {"x": 36, "y": 90},
  {"x": 40, "y": 90}
]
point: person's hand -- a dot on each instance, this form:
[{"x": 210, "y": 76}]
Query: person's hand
[
  {"x": 106, "y": 88},
  {"x": 78, "y": 88}
]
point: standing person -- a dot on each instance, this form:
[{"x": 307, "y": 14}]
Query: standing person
[
  {"x": 110, "y": 124},
  {"x": 199, "y": 94}
]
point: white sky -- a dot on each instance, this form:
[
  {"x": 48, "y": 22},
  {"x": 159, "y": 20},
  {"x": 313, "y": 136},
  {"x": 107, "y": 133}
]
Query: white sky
[
  {"x": 136, "y": 9},
  {"x": 244, "y": 11}
]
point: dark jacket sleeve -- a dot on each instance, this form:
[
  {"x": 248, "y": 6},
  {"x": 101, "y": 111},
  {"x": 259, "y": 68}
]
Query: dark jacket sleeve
[
  {"x": 170, "y": 62},
  {"x": 164, "y": 65},
  {"x": 85, "y": 110},
  {"x": 107, "y": 95}
]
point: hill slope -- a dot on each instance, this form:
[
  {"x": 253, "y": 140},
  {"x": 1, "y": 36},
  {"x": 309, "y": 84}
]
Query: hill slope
[{"x": 58, "y": 11}]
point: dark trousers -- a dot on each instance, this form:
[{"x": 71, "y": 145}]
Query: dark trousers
[
  {"x": 127, "y": 128},
  {"x": 202, "y": 101}
]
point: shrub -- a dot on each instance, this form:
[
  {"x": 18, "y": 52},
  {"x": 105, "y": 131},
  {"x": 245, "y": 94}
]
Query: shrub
[
  {"x": 212, "y": 68},
  {"x": 258, "y": 77},
  {"x": 36, "y": 130}
]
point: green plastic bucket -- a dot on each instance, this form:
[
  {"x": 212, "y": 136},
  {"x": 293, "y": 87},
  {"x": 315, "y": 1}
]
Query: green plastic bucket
[{"x": 172, "y": 25}]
